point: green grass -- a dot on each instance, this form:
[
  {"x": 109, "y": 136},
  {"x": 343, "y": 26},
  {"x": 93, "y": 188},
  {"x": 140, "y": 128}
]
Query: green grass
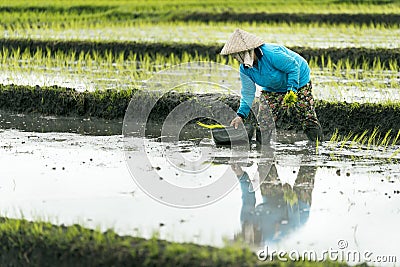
[
  {"x": 25, "y": 243},
  {"x": 43, "y": 244}
]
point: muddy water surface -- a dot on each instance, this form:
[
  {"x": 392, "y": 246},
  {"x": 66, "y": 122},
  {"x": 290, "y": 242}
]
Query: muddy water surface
[{"x": 333, "y": 198}]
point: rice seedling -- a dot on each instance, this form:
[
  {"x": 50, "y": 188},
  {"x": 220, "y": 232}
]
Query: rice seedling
[
  {"x": 290, "y": 99},
  {"x": 393, "y": 155},
  {"x": 368, "y": 145},
  {"x": 385, "y": 141},
  {"x": 396, "y": 138},
  {"x": 358, "y": 77},
  {"x": 372, "y": 138}
]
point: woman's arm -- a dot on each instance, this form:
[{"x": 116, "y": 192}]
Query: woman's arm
[{"x": 248, "y": 92}]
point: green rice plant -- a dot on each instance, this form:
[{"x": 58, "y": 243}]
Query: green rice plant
[
  {"x": 362, "y": 138},
  {"x": 377, "y": 65},
  {"x": 393, "y": 66},
  {"x": 317, "y": 144},
  {"x": 79, "y": 62},
  {"x": 4, "y": 56},
  {"x": 365, "y": 64},
  {"x": 372, "y": 138},
  {"x": 353, "y": 141},
  {"x": 345, "y": 140},
  {"x": 290, "y": 99},
  {"x": 386, "y": 140},
  {"x": 95, "y": 55},
  {"x": 26, "y": 55},
  {"x": 329, "y": 64},
  {"x": 88, "y": 59},
  {"x": 349, "y": 66},
  {"x": 370, "y": 146},
  {"x": 109, "y": 58},
  {"x": 394, "y": 154},
  {"x": 338, "y": 68},
  {"x": 16, "y": 54},
  {"x": 396, "y": 138},
  {"x": 334, "y": 138}
]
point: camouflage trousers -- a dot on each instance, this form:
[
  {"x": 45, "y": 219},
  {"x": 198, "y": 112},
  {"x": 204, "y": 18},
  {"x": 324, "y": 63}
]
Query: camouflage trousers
[{"x": 272, "y": 109}]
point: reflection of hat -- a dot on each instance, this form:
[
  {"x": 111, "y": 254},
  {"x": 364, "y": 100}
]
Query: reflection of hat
[{"x": 240, "y": 41}]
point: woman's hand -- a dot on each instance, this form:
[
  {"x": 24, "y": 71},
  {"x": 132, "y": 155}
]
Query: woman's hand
[{"x": 236, "y": 122}]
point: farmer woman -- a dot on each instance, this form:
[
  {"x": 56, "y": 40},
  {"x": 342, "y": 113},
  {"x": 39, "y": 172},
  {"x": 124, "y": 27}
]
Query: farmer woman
[{"x": 279, "y": 71}]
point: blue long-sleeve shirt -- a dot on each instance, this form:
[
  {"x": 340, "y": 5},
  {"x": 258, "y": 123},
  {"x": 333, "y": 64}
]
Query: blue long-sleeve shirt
[{"x": 278, "y": 70}]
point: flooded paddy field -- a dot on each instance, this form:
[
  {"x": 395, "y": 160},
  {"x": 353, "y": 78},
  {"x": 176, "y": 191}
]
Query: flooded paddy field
[
  {"x": 356, "y": 75},
  {"x": 342, "y": 198},
  {"x": 87, "y": 61},
  {"x": 312, "y": 35},
  {"x": 350, "y": 85}
]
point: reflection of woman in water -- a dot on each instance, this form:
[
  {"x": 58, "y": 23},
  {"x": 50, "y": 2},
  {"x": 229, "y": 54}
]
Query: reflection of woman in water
[
  {"x": 283, "y": 209},
  {"x": 247, "y": 213}
]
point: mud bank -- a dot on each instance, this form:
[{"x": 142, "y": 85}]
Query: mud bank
[
  {"x": 112, "y": 104},
  {"x": 25, "y": 243},
  {"x": 211, "y": 51},
  {"x": 107, "y": 104},
  {"x": 386, "y": 19}
]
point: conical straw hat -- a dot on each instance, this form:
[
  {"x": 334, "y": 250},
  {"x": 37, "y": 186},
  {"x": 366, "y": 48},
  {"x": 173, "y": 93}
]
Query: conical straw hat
[{"x": 240, "y": 41}]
